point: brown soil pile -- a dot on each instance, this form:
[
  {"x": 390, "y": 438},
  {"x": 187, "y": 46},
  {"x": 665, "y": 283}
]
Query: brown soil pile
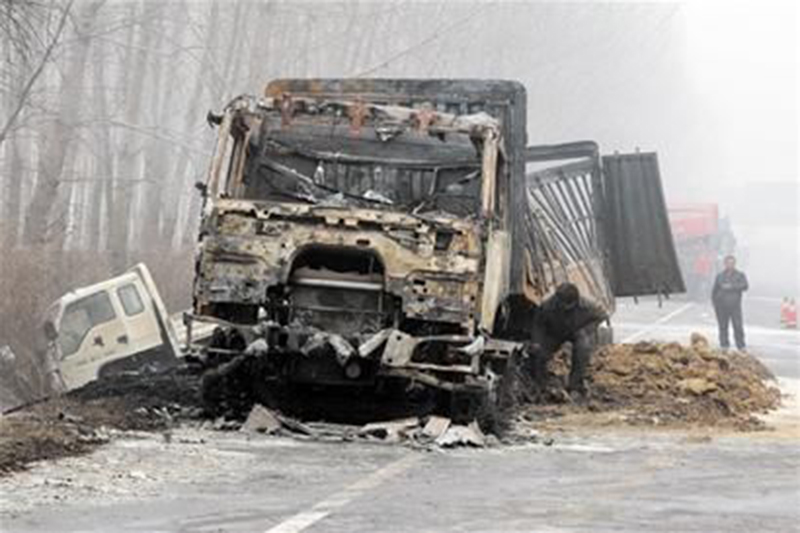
[
  {"x": 84, "y": 419},
  {"x": 672, "y": 384}
]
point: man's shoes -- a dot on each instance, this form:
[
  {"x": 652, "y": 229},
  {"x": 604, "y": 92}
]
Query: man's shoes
[
  {"x": 579, "y": 398},
  {"x": 578, "y": 395},
  {"x": 558, "y": 396}
]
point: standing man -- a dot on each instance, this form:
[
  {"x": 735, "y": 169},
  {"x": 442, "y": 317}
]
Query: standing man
[
  {"x": 565, "y": 317},
  {"x": 727, "y": 299}
]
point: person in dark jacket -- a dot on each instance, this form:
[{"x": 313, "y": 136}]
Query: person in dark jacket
[
  {"x": 565, "y": 317},
  {"x": 727, "y": 299}
]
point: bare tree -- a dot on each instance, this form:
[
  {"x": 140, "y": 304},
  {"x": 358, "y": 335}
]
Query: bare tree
[
  {"x": 58, "y": 134},
  {"x": 20, "y": 25},
  {"x": 192, "y": 118},
  {"x": 103, "y": 186},
  {"x": 133, "y": 73}
]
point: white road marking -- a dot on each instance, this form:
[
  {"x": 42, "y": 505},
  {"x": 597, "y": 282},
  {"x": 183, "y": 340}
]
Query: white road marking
[
  {"x": 751, "y": 331},
  {"x": 662, "y": 320},
  {"x": 763, "y": 299},
  {"x": 319, "y": 511}
]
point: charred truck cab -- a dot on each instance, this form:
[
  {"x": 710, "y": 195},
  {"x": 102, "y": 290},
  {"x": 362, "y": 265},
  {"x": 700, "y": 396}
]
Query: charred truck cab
[
  {"x": 345, "y": 241},
  {"x": 356, "y": 231}
]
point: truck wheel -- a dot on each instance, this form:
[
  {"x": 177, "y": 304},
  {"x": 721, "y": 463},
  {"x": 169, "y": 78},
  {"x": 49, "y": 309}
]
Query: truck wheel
[
  {"x": 496, "y": 406},
  {"x": 493, "y": 407}
]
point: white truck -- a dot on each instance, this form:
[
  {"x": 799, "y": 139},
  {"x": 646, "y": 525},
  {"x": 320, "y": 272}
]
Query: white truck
[{"x": 118, "y": 325}]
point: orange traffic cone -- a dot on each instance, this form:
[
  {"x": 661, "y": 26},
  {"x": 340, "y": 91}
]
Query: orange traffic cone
[
  {"x": 791, "y": 315},
  {"x": 784, "y": 312}
]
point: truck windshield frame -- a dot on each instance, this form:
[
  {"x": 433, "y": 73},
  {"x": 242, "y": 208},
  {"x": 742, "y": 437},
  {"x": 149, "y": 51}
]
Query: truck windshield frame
[{"x": 390, "y": 164}]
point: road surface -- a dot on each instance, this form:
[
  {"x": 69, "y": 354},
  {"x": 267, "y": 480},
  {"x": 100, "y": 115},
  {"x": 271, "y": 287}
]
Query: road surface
[{"x": 592, "y": 480}]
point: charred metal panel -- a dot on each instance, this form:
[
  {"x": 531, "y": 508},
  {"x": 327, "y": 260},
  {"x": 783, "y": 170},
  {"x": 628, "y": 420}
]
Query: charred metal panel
[
  {"x": 564, "y": 238},
  {"x": 504, "y": 100},
  {"x": 643, "y": 257},
  {"x": 253, "y": 247},
  {"x": 560, "y": 152}
]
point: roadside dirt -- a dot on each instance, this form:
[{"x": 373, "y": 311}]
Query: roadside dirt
[
  {"x": 80, "y": 421},
  {"x": 665, "y": 384}
]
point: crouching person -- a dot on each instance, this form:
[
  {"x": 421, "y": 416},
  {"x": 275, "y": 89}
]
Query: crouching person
[{"x": 565, "y": 317}]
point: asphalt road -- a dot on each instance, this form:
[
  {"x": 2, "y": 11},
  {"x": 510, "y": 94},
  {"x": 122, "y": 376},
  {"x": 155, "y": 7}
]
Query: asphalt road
[{"x": 592, "y": 480}]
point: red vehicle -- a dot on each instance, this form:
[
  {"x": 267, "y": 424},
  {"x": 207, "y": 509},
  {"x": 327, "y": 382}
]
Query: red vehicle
[{"x": 702, "y": 240}]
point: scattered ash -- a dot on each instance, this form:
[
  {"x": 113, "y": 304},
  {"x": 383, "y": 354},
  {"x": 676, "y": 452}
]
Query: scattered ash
[
  {"x": 78, "y": 422},
  {"x": 176, "y": 386}
]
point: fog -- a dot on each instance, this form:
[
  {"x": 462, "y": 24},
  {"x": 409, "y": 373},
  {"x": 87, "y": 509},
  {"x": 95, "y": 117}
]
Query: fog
[{"x": 104, "y": 105}]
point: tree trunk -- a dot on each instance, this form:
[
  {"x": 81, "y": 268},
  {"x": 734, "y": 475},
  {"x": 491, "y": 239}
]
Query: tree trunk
[
  {"x": 155, "y": 179},
  {"x": 134, "y": 72},
  {"x": 103, "y": 185},
  {"x": 59, "y": 132},
  {"x": 12, "y": 196},
  {"x": 192, "y": 118}
]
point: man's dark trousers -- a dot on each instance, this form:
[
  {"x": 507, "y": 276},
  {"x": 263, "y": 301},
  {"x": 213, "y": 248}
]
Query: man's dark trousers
[
  {"x": 583, "y": 344},
  {"x": 727, "y": 314}
]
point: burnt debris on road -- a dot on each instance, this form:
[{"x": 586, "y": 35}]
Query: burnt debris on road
[{"x": 662, "y": 384}]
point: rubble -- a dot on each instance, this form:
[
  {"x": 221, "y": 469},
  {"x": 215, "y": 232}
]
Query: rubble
[
  {"x": 430, "y": 431},
  {"x": 697, "y": 386},
  {"x": 224, "y": 424},
  {"x": 261, "y": 420},
  {"x": 427, "y": 432},
  {"x": 83, "y": 419},
  {"x": 436, "y": 427},
  {"x": 296, "y": 426},
  {"x": 470, "y": 435},
  {"x": 647, "y": 383},
  {"x": 673, "y": 384},
  {"x": 393, "y": 431}
]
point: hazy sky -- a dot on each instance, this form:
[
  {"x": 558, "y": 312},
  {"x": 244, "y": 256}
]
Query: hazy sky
[
  {"x": 741, "y": 61},
  {"x": 711, "y": 86}
]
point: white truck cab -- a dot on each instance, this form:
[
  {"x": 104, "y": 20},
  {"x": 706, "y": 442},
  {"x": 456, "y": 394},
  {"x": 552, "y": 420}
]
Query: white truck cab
[{"x": 114, "y": 326}]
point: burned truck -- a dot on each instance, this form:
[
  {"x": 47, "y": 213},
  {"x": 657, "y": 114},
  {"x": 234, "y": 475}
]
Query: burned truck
[{"x": 363, "y": 232}]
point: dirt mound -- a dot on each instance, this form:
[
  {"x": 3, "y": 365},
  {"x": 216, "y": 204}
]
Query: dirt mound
[
  {"x": 83, "y": 419},
  {"x": 672, "y": 384}
]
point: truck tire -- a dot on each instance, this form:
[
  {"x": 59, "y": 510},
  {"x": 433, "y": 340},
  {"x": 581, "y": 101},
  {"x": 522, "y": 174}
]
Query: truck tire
[{"x": 492, "y": 408}]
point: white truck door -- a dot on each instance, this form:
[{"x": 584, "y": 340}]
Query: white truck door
[
  {"x": 88, "y": 334},
  {"x": 143, "y": 332},
  {"x": 170, "y": 337}
]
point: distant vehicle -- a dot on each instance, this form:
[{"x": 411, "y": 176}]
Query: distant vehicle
[
  {"x": 702, "y": 240},
  {"x": 114, "y": 326}
]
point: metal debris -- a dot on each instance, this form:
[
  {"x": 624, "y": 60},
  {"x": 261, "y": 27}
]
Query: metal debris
[
  {"x": 261, "y": 420},
  {"x": 296, "y": 426},
  {"x": 470, "y": 435},
  {"x": 392, "y": 431},
  {"x": 436, "y": 427}
]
